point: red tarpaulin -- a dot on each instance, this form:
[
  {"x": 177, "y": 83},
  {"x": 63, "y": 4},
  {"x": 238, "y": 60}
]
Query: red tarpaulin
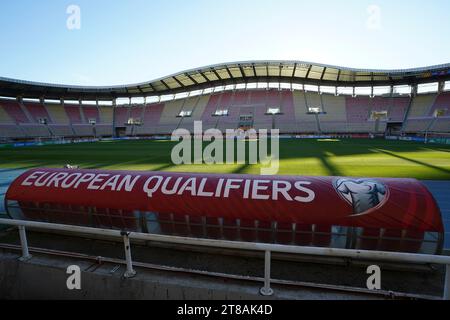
[{"x": 395, "y": 204}]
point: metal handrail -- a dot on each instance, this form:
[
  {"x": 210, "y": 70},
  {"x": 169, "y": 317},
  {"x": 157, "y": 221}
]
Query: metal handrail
[{"x": 224, "y": 244}]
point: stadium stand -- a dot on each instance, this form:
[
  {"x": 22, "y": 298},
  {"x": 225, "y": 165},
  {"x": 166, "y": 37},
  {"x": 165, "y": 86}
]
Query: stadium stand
[
  {"x": 263, "y": 100},
  {"x": 57, "y": 114},
  {"x": 83, "y": 130},
  {"x": 334, "y": 117},
  {"x": 306, "y": 122},
  {"x": 358, "y": 115},
  {"x": 293, "y": 96},
  {"x": 37, "y": 112},
  {"x": 106, "y": 115},
  {"x": 441, "y": 103},
  {"x": 398, "y": 108},
  {"x": 197, "y": 106},
  {"x": 91, "y": 113},
  {"x": 293, "y": 112},
  {"x": 121, "y": 114},
  {"x": 238, "y": 108},
  {"x": 418, "y": 125},
  {"x": 170, "y": 116},
  {"x": 11, "y": 131},
  {"x": 15, "y": 112},
  {"x": 74, "y": 114},
  {"x": 285, "y": 121},
  {"x": 135, "y": 116},
  {"x": 5, "y": 118},
  {"x": 441, "y": 125},
  {"x": 104, "y": 128},
  {"x": 151, "y": 118},
  {"x": 59, "y": 130},
  {"x": 358, "y": 109},
  {"x": 421, "y": 105},
  {"x": 35, "y": 130},
  {"x": 208, "y": 118}
]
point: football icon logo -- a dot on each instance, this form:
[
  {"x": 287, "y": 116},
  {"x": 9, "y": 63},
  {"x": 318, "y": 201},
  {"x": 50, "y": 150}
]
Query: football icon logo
[{"x": 362, "y": 194}]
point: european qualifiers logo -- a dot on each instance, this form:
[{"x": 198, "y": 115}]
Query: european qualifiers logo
[{"x": 363, "y": 195}]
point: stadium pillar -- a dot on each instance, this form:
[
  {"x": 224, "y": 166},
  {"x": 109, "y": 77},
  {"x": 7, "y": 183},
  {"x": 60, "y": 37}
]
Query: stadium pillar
[
  {"x": 114, "y": 104},
  {"x": 441, "y": 86},
  {"x": 24, "y": 244},
  {"x": 130, "y": 273},
  {"x": 266, "y": 290}
]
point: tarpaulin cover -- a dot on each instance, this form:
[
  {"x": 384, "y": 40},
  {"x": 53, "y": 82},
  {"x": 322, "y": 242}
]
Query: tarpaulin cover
[{"x": 354, "y": 202}]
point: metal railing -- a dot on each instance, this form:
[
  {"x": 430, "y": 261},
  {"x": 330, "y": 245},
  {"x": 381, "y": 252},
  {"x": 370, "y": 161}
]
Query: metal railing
[{"x": 268, "y": 249}]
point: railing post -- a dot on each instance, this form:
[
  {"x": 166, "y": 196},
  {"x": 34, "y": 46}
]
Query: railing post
[
  {"x": 130, "y": 273},
  {"x": 24, "y": 243},
  {"x": 447, "y": 282},
  {"x": 266, "y": 290}
]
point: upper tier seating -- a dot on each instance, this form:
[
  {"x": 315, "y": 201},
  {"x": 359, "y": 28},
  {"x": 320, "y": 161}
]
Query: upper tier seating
[
  {"x": 15, "y": 111},
  {"x": 91, "y": 113},
  {"x": 106, "y": 115},
  {"x": 122, "y": 114},
  {"x": 442, "y": 102},
  {"x": 286, "y": 122},
  {"x": 37, "y": 111},
  {"x": 152, "y": 115},
  {"x": 263, "y": 100},
  {"x": 306, "y": 122},
  {"x": 358, "y": 109},
  {"x": 208, "y": 119},
  {"x": 57, "y": 114},
  {"x": 74, "y": 114},
  {"x": 421, "y": 105},
  {"x": 398, "y": 108},
  {"x": 5, "y": 118},
  {"x": 340, "y": 114},
  {"x": 197, "y": 105},
  {"x": 237, "y": 104}
]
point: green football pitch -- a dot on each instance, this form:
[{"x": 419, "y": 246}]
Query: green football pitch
[{"x": 356, "y": 158}]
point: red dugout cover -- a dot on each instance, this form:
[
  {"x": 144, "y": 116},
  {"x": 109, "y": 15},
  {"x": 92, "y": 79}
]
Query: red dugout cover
[{"x": 353, "y": 202}]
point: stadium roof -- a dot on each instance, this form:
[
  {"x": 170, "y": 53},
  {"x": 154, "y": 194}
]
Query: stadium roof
[{"x": 233, "y": 73}]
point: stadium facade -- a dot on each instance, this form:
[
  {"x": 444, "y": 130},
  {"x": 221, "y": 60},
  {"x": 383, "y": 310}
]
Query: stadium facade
[{"x": 295, "y": 97}]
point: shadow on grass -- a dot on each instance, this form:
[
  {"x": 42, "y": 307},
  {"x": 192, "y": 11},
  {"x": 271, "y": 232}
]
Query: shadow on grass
[
  {"x": 445, "y": 171},
  {"x": 332, "y": 170}
]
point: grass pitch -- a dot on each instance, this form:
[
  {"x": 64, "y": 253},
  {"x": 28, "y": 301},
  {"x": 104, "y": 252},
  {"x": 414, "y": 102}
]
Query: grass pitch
[{"x": 355, "y": 158}]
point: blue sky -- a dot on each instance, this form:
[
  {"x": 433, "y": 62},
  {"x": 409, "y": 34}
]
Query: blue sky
[{"x": 131, "y": 41}]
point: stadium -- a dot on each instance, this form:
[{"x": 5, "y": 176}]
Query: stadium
[
  {"x": 300, "y": 99},
  {"x": 332, "y": 121},
  {"x": 235, "y": 151}
]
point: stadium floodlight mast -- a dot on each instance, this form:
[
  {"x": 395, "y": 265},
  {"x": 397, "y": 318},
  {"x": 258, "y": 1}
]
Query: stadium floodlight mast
[{"x": 214, "y": 152}]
